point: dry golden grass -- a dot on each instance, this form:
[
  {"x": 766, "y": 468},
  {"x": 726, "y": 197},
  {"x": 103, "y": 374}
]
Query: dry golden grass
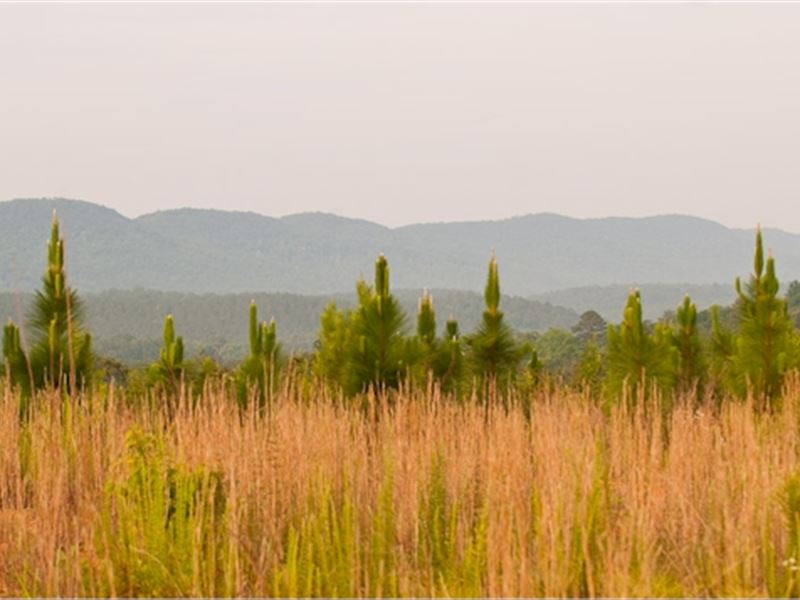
[{"x": 576, "y": 501}]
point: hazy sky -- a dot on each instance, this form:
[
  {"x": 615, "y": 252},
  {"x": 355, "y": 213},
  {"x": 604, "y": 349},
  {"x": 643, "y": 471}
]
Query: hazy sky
[{"x": 405, "y": 113}]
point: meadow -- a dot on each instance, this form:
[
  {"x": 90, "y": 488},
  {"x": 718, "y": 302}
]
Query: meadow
[{"x": 408, "y": 493}]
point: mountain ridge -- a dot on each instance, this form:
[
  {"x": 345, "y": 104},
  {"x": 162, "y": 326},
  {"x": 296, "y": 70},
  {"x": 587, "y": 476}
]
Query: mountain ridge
[{"x": 218, "y": 251}]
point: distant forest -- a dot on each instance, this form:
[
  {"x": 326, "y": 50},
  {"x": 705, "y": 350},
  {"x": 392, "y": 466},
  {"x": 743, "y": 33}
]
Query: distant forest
[{"x": 127, "y": 325}]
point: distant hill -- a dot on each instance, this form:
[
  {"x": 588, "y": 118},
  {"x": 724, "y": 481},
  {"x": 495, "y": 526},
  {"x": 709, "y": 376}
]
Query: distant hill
[
  {"x": 127, "y": 325},
  {"x": 227, "y": 252},
  {"x": 609, "y": 300}
]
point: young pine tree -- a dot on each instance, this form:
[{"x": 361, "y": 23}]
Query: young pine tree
[
  {"x": 61, "y": 354},
  {"x": 167, "y": 373},
  {"x": 637, "y": 359},
  {"x": 450, "y": 357},
  {"x": 763, "y": 349},
  {"x": 18, "y": 369},
  {"x": 722, "y": 346},
  {"x": 375, "y": 356},
  {"x": 424, "y": 347},
  {"x": 333, "y": 344},
  {"x": 691, "y": 368},
  {"x": 259, "y": 370},
  {"x": 493, "y": 352}
]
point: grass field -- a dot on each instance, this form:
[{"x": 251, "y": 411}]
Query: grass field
[{"x": 412, "y": 494}]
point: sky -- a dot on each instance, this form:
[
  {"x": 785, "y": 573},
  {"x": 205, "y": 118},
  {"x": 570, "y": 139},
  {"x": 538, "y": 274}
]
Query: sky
[{"x": 403, "y": 113}]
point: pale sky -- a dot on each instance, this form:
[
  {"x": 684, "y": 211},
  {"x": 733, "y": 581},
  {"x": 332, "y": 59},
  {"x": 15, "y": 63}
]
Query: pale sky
[{"x": 407, "y": 113}]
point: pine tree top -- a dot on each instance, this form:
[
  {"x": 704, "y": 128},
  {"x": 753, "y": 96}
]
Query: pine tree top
[
  {"x": 758, "y": 258},
  {"x": 169, "y": 330},
  {"x": 426, "y": 318},
  {"x": 381, "y": 276},
  {"x": 492, "y": 292}
]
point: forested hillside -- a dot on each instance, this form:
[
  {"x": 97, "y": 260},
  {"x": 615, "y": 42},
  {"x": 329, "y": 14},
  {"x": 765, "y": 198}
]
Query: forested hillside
[
  {"x": 202, "y": 251},
  {"x": 657, "y": 298},
  {"x": 127, "y": 325}
]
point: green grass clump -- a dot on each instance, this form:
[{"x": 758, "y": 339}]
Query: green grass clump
[
  {"x": 453, "y": 569},
  {"x": 163, "y": 528},
  {"x": 382, "y": 562},
  {"x": 329, "y": 553},
  {"x": 783, "y": 568},
  {"x": 586, "y": 544},
  {"x": 321, "y": 551},
  {"x": 332, "y": 551}
]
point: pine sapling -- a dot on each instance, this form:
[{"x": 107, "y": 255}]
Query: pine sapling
[
  {"x": 763, "y": 351},
  {"x": 637, "y": 359},
  {"x": 259, "y": 370},
  {"x": 426, "y": 345},
  {"x": 376, "y": 354},
  {"x": 691, "y": 371},
  {"x": 494, "y": 353},
  {"x": 450, "y": 357},
  {"x": 167, "y": 373},
  {"x": 61, "y": 352}
]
